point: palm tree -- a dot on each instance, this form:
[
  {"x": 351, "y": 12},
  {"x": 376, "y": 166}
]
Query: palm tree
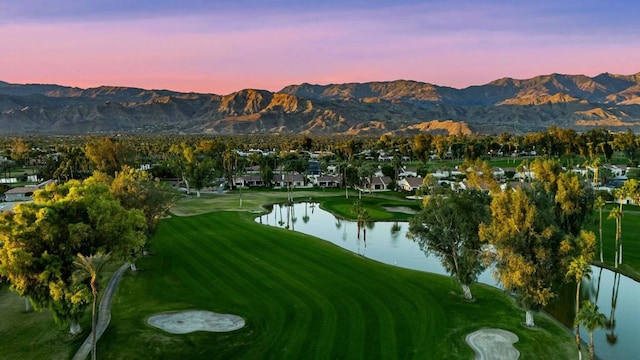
[
  {"x": 89, "y": 267},
  {"x": 617, "y": 214},
  {"x": 599, "y": 203},
  {"x": 591, "y": 319},
  {"x": 578, "y": 268}
]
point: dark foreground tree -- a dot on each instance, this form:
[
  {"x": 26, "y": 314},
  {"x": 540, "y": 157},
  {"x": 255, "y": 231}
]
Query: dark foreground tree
[{"x": 447, "y": 227}]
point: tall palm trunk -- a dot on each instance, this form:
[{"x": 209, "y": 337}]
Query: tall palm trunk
[
  {"x": 577, "y": 325},
  {"x": 592, "y": 350},
  {"x": 601, "y": 256},
  {"x": 94, "y": 290}
]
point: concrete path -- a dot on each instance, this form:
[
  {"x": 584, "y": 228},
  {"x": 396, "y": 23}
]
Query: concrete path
[
  {"x": 493, "y": 344},
  {"x": 104, "y": 313}
]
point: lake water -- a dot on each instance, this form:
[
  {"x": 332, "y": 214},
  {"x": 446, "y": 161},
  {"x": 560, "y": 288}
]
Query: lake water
[{"x": 387, "y": 242}]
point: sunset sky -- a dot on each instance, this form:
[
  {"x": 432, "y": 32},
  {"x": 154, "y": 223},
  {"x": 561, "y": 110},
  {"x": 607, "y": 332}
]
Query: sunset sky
[{"x": 224, "y": 46}]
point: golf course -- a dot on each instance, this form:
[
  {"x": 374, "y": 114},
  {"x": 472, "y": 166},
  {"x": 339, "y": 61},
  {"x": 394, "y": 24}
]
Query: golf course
[{"x": 300, "y": 297}]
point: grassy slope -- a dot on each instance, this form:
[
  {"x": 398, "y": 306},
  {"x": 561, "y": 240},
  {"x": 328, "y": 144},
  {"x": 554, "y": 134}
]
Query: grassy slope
[
  {"x": 33, "y": 335},
  {"x": 302, "y": 298}
]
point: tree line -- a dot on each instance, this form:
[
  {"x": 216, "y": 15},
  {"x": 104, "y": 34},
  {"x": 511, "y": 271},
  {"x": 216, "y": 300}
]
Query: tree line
[{"x": 533, "y": 236}]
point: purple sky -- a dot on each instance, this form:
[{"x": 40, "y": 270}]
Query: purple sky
[{"x": 220, "y": 47}]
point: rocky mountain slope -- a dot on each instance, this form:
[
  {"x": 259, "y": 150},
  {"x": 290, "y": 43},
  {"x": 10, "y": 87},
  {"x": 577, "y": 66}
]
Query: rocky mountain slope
[{"x": 403, "y": 107}]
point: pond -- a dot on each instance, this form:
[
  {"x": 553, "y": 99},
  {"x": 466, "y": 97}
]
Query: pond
[{"x": 387, "y": 242}]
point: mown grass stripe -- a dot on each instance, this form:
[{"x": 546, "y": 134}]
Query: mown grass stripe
[{"x": 302, "y": 297}]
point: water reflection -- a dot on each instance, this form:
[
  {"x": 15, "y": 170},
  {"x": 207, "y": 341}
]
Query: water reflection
[
  {"x": 388, "y": 242},
  {"x": 385, "y": 241}
]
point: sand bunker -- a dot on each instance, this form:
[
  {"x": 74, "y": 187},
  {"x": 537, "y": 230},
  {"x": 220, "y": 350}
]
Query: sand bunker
[
  {"x": 400, "y": 209},
  {"x": 183, "y": 322},
  {"x": 493, "y": 344}
]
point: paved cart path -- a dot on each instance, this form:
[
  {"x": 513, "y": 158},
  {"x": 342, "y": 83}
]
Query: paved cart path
[{"x": 104, "y": 313}]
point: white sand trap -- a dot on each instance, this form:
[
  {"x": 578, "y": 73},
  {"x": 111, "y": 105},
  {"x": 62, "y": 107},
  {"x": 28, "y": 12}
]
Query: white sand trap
[
  {"x": 183, "y": 322},
  {"x": 400, "y": 209},
  {"x": 493, "y": 344}
]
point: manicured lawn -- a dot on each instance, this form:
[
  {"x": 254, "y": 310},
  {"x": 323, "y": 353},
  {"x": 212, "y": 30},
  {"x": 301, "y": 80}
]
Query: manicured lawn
[
  {"x": 302, "y": 298},
  {"x": 252, "y": 200},
  {"x": 630, "y": 239},
  {"x": 34, "y": 335},
  {"x": 375, "y": 206}
]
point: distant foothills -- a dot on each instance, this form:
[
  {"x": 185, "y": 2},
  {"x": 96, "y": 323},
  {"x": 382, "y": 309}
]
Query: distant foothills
[{"x": 399, "y": 107}]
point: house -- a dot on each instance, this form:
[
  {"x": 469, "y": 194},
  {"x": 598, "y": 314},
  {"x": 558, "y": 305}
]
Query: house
[
  {"x": 408, "y": 172},
  {"x": 385, "y": 157},
  {"x": 513, "y": 185},
  {"x": 254, "y": 169},
  {"x": 328, "y": 181},
  {"x": 24, "y": 193},
  {"x": 410, "y": 183},
  {"x": 482, "y": 186},
  {"x": 616, "y": 170},
  {"x": 332, "y": 169},
  {"x": 440, "y": 174},
  {"x": 288, "y": 179},
  {"x": 377, "y": 183},
  {"x": 250, "y": 180},
  {"x": 525, "y": 174},
  {"x": 498, "y": 173}
]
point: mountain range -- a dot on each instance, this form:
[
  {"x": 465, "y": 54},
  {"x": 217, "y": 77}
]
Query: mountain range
[{"x": 392, "y": 107}]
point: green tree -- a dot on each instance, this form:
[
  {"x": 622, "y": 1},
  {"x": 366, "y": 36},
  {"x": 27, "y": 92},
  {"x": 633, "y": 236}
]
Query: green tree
[
  {"x": 20, "y": 151},
  {"x": 547, "y": 172},
  {"x": 136, "y": 189},
  {"x": 527, "y": 247},
  {"x": 89, "y": 267},
  {"x": 627, "y": 142},
  {"x": 421, "y": 146},
  {"x": 41, "y": 239},
  {"x": 591, "y": 318},
  {"x": 266, "y": 173},
  {"x": 573, "y": 202},
  {"x": 109, "y": 155},
  {"x": 447, "y": 227},
  {"x": 194, "y": 166},
  {"x": 229, "y": 159}
]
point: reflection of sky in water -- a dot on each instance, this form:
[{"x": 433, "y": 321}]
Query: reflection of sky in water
[
  {"x": 382, "y": 244},
  {"x": 394, "y": 247}
]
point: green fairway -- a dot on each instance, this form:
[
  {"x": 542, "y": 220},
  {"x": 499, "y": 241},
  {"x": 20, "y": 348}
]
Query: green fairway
[
  {"x": 302, "y": 298},
  {"x": 630, "y": 240}
]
